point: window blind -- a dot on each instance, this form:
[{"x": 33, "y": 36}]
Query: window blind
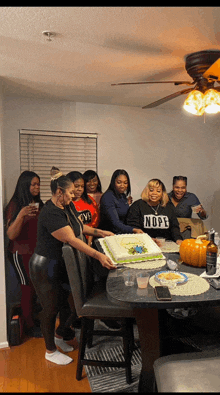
[{"x": 40, "y": 150}]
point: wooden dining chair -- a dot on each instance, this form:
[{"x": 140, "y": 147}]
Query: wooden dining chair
[
  {"x": 91, "y": 303},
  {"x": 188, "y": 372}
]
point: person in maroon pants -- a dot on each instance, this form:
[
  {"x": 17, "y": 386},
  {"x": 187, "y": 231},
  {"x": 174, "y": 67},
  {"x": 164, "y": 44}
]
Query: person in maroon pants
[{"x": 21, "y": 216}]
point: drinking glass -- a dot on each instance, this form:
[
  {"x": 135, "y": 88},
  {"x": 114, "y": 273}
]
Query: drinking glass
[
  {"x": 129, "y": 277},
  {"x": 34, "y": 205},
  {"x": 142, "y": 277}
]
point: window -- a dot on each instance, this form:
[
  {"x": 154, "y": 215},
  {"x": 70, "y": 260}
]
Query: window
[{"x": 40, "y": 150}]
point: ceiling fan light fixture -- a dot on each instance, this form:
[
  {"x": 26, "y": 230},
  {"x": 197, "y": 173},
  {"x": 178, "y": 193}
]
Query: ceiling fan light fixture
[
  {"x": 194, "y": 103},
  {"x": 212, "y": 101}
]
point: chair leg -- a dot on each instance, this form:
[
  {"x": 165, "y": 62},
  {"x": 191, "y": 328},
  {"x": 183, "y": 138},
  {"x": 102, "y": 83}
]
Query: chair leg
[
  {"x": 82, "y": 346},
  {"x": 127, "y": 352},
  {"x": 90, "y": 334},
  {"x": 130, "y": 326}
]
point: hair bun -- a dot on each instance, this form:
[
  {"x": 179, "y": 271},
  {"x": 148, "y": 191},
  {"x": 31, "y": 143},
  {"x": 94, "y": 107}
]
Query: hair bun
[{"x": 55, "y": 173}]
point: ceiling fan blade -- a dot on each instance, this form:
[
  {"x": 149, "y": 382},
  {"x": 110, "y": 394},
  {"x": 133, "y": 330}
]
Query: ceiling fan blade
[
  {"x": 213, "y": 72},
  {"x": 167, "y": 98},
  {"x": 156, "y": 82},
  {"x": 128, "y": 44}
]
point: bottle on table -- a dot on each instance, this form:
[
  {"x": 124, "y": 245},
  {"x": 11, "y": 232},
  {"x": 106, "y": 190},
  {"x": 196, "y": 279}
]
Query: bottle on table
[
  {"x": 217, "y": 241},
  {"x": 211, "y": 254}
]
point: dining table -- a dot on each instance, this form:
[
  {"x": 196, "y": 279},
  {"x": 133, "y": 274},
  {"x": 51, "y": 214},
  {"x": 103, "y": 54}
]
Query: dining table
[{"x": 149, "y": 312}]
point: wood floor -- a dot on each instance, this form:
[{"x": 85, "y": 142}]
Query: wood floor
[{"x": 24, "y": 368}]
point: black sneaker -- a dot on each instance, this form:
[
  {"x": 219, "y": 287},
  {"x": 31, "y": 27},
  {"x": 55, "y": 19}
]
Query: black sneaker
[{"x": 111, "y": 324}]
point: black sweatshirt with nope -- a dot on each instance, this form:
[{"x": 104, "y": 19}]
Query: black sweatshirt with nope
[{"x": 163, "y": 224}]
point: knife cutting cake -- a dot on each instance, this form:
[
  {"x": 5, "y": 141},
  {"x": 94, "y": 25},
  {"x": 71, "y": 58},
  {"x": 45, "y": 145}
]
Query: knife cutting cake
[{"x": 132, "y": 248}]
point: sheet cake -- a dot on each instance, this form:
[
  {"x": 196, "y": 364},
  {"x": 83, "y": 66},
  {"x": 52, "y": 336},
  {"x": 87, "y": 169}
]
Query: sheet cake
[{"x": 127, "y": 248}]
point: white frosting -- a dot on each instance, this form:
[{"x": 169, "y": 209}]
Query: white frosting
[{"x": 132, "y": 247}]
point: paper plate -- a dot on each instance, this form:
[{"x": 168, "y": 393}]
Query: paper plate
[{"x": 180, "y": 278}]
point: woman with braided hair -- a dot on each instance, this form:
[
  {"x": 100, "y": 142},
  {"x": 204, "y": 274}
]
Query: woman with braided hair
[{"x": 58, "y": 223}]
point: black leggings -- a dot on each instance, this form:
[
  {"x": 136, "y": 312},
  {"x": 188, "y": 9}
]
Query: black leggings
[{"x": 48, "y": 277}]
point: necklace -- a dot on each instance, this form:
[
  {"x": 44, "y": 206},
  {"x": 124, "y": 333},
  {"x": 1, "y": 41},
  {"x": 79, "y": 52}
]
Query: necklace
[{"x": 155, "y": 210}]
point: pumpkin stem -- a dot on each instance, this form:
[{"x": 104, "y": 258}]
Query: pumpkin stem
[{"x": 202, "y": 237}]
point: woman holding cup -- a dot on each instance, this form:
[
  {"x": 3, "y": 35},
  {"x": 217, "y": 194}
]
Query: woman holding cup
[
  {"x": 185, "y": 202},
  {"x": 21, "y": 216}
]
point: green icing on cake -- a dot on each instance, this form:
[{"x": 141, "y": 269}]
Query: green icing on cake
[{"x": 136, "y": 259}]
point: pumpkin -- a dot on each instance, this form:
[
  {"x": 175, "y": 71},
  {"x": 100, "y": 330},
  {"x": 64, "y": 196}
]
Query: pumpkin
[{"x": 193, "y": 252}]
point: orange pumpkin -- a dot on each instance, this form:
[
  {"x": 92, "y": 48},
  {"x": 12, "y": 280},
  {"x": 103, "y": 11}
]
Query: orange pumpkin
[{"x": 193, "y": 252}]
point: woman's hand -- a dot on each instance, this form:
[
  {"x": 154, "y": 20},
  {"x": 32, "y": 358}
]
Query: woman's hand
[
  {"x": 106, "y": 261},
  {"x": 158, "y": 242},
  {"x": 179, "y": 242},
  {"x": 130, "y": 200},
  {"x": 201, "y": 210},
  {"x": 27, "y": 210},
  {"x": 104, "y": 233},
  {"x": 135, "y": 230},
  {"x": 24, "y": 215}
]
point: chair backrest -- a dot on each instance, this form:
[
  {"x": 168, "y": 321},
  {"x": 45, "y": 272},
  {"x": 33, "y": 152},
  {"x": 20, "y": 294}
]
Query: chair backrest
[
  {"x": 80, "y": 277},
  {"x": 196, "y": 226}
]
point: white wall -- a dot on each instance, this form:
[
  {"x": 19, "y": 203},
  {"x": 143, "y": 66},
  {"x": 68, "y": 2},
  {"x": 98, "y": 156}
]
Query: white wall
[
  {"x": 146, "y": 143},
  {"x": 157, "y": 143},
  {"x": 3, "y": 326}
]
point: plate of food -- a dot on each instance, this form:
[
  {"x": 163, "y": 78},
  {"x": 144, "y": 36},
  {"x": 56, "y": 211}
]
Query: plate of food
[{"x": 169, "y": 275}]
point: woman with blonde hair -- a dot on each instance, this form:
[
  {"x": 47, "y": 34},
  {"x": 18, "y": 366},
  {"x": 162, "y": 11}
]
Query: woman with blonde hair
[{"x": 154, "y": 213}]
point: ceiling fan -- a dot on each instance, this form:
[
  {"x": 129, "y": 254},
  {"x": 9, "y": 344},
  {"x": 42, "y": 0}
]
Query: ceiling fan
[{"x": 203, "y": 67}]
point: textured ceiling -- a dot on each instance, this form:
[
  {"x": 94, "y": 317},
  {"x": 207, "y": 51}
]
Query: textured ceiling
[{"x": 97, "y": 46}]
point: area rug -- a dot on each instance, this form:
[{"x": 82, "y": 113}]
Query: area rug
[
  {"x": 108, "y": 379},
  {"x": 199, "y": 333}
]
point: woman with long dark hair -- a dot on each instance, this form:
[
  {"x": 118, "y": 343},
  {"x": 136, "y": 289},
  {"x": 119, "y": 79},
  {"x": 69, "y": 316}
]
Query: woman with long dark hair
[
  {"x": 114, "y": 204},
  {"x": 93, "y": 185},
  {"x": 21, "y": 217}
]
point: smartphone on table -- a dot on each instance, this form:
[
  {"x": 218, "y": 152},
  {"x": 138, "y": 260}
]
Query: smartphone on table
[{"x": 162, "y": 293}]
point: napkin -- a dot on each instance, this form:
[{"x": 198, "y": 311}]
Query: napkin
[
  {"x": 171, "y": 264},
  {"x": 217, "y": 274}
]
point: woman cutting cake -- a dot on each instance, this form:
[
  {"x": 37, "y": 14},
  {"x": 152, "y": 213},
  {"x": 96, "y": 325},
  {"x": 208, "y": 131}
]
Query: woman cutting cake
[{"x": 154, "y": 213}]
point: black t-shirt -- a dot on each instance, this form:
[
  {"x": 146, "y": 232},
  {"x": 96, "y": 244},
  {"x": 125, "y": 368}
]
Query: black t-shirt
[
  {"x": 164, "y": 224},
  {"x": 52, "y": 218}
]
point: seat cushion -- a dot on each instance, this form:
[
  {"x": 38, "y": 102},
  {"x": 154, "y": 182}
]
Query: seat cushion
[
  {"x": 188, "y": 372},
  {"x": 98, "y": 305}
]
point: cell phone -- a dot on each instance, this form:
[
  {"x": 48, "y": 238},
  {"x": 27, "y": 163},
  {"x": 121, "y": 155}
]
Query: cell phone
[
  {"x": 215, "y": 283},
  {"x": 162, "y": 293}
]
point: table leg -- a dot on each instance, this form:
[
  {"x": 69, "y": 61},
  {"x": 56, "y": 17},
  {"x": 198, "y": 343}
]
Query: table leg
[{"x": 148, "y": 328}]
